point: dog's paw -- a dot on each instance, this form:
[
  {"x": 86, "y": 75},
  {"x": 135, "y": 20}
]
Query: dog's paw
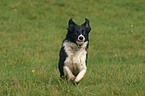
[{"x": 72, "y": 79}]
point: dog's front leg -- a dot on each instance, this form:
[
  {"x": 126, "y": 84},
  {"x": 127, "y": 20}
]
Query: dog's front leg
[
  {"x": 80, "y": 75},
  {"x": 68, "y": 73}
]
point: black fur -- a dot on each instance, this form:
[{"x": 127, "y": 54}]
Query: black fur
[
  {"x": 74, "y": 31},
  {"x": 62, "y": 56}
]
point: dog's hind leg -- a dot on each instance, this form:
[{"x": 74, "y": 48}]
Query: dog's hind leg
[
  {"x": 68, "y": 74},
  {"x": 62, "y": 56}
]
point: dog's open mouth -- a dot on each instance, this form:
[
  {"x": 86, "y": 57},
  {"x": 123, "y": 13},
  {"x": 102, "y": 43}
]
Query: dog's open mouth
[{"x": 80, "y": 43}]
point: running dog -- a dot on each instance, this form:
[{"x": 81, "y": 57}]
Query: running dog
[{"x": 74, "y": 51}]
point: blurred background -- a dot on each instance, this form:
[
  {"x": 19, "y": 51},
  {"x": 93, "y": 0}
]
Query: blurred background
[{"x": 31, "y": 35}]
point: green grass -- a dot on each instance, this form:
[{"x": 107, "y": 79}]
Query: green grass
[{"x": 31, "y": 34}]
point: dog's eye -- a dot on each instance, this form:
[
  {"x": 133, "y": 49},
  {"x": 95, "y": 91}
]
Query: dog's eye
[
  {"x": 84, "y": 32},
  {"x": 76, "y": 33}
]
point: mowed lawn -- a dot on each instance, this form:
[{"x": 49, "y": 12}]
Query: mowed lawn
[{"x": 31, "y": 34}]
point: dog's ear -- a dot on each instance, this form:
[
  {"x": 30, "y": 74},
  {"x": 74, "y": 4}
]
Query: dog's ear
[
  {"x": 87, "y": 25},
  {"x": 71, "y": 24}
]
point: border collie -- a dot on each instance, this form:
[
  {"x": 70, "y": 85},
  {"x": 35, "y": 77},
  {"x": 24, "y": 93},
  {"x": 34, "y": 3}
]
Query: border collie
[{"x": 73, "y": 54}]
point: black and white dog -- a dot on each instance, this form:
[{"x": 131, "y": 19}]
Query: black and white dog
[{"x": 73, "y": 54}]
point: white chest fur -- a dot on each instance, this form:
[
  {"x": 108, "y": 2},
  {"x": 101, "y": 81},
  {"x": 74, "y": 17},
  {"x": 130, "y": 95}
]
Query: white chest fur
[{"x": 76, "y": 60}]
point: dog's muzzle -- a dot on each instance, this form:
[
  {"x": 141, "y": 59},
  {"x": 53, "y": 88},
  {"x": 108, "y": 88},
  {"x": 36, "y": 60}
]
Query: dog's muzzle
[{"x": 80, "y": 40}]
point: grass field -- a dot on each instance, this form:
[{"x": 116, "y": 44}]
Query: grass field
[{"x": 31, "y": 34}]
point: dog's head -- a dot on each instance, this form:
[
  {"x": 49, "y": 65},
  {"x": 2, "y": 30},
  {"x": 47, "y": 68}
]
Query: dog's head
[{"x": 78, "y": 33}]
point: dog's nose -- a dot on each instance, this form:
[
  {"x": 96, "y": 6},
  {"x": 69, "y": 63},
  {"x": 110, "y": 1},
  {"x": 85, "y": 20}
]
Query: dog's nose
[{"x": 81, "y": 38}]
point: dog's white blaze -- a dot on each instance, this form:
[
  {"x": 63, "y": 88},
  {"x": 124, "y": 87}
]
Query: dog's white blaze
[{"x": 76, "y": 60}]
